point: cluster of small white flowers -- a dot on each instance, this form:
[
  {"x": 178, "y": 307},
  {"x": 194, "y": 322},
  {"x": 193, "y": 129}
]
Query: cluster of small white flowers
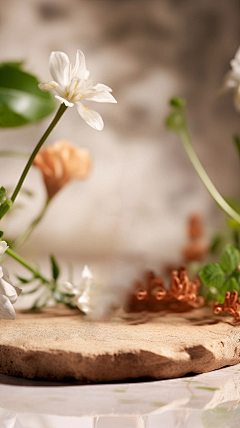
[
  {"x": 8, "y": 292},
  {"x": 82, "y": 293}
]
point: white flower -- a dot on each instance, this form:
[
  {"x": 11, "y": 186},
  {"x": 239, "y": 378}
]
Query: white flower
[
  {"x": 83, "y": 292},
  {"x": 72, "y": 84},
  {"x": 8, "y": 292},
  {"x": 232, "y": 80},
  {"x": 3, "y": 248}
]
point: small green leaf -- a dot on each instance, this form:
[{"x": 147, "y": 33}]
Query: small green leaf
[
  {"x": 229, "y": 285},
  {"x": 212, "y": 275},
  {"x": 55, "y": 268},
  {"x": 24, "y": 280},
  {"x": 177, "y": 102},
  {"x": 1, "y": 233},
  {"x": 21, "y": 101},
  {"x": 230, "y": 259},
  {"x": 216, "y": 244}
]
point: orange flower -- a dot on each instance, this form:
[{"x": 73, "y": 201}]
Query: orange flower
[{"x": 60, "y": 163}]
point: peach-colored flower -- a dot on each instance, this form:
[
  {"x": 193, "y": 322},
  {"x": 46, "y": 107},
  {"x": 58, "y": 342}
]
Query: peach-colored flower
[{"x": 60, "y": 163}]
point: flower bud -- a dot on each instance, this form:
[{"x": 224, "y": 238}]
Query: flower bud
[{"x": 60, "y": 163}]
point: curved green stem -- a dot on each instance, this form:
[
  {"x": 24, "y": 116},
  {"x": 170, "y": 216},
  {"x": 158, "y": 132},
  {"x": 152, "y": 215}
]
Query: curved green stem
[
  {"x": 23, "y": 262},
  {"x": 22, "y": 238},
  {"x": 187, "y": 144},
  {"x": 52, "y": 125}
]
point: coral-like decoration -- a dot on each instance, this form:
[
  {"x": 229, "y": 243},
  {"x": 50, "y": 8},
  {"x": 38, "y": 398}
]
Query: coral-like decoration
[
  {"x": 146, "y": 293},
  {"x": 230, "y": 305},
  {"x": 196, "y": 249},
  {"x": 182, "y": 289},
  {"x": 150, "y": 293}
]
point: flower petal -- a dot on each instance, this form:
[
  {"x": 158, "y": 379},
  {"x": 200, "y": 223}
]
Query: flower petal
[
  {"x": 235, "y": 63},
  {"x": 8, "y": 289},
  {"x": 3, "y": 247},
  {"x": 102, "y": 97},
  {"x": 102, "y": 87},
  {"x": 91, "y": 117},
  {"x": 6, "y": 309},
  {"x": 57, "y": 64},
  {"x": 48, "y": 86},
  {"x": 69, "y": 288},
  {"x": 63, "y": 100},
  {"x": 79, "y": 69}
]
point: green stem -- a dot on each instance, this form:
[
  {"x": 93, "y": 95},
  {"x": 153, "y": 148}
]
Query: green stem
[
  {"x": 52, "y": 125},
  {"x": 22, "y": 238},
  {"x": 187, "y": 144},
  {"x": 23, "y": 262}
]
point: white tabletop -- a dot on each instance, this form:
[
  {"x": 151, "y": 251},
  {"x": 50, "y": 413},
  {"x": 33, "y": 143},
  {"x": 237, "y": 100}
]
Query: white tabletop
[{"x": 209, "y": 400}]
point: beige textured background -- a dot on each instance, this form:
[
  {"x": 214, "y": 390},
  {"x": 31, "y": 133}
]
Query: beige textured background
[{"x": 142, "y": 186}]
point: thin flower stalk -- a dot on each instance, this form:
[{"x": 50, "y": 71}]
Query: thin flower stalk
[
  {"x": 176, "y": 122},
  {"x": 52, "y": 125},
  {"x": 19, "y": 241}
]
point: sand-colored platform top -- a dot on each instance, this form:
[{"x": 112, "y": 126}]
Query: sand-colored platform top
[{"x": 60, "y": 344}]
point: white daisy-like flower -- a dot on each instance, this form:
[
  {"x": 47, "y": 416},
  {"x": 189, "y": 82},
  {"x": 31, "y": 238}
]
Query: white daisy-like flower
[
  {"x": 71, "y": 84},
  {"x": 8, "y": 292},
  {"x": 83, "y": 292},
  {"x": 232, "y": 80}
]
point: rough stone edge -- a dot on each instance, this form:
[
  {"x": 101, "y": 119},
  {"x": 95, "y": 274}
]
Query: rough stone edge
[{"x": 67, "y": 366}]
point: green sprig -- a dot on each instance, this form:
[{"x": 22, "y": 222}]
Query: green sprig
[{"x": 223, "y": 276}]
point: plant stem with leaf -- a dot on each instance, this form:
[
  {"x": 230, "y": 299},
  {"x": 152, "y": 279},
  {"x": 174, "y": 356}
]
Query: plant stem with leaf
[
  {"x": 177, "y": 122},
  {"x": 24, "y": 263}
]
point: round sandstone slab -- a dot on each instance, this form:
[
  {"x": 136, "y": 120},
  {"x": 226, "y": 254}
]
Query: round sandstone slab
[{"x": 59, "y": 344}]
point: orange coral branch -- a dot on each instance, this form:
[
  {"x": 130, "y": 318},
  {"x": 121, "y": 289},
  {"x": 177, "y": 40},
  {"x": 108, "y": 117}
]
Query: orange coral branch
[
  {"x": 151, "y": 295},
  {"x": 230, "y": 305}
]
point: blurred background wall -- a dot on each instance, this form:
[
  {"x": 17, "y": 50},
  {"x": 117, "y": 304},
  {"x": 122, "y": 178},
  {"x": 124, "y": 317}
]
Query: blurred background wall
[{"x": 142, "y": 186}]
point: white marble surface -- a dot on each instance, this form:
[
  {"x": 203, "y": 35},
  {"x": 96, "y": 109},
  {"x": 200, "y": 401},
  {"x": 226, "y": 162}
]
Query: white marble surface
[{"x": 209, "y": 400}]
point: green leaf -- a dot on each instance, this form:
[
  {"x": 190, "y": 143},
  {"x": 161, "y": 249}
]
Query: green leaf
[
  {"x": 1, "y": 233},
  {"x": 177, "y": 102},
  {"x": 14, "y": 64},
  {"x": 55, "y": 268},
  {"x": 212, "y": 275},
  {"x": 21, "y": 101},
  {"x": 216, "y": 244},
  {"x": 230, "y": 259},
  {"x": 229, "y": 285},
  {"x": 24, "y": 280}
]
